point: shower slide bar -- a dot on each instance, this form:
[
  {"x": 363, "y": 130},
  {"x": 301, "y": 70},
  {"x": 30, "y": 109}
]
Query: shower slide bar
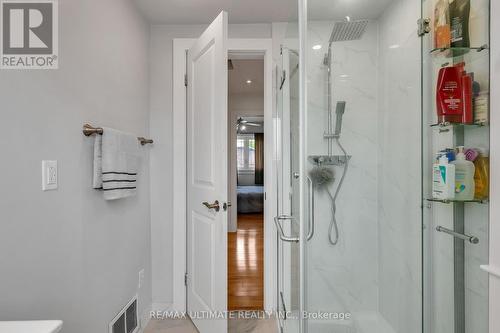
[
  {"x": 470, "y": 239},
  {"x": 89, "y": 130}
]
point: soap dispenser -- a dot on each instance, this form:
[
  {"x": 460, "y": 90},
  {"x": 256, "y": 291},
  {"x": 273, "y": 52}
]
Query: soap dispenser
[{"x": 464, "y": 177}]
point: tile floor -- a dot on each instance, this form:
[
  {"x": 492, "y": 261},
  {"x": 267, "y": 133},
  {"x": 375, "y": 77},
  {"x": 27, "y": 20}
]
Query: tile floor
[{"x": 234, "y": 326}]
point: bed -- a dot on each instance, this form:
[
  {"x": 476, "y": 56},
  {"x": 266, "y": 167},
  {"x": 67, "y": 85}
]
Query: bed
[{"x": 250, "y": 199}]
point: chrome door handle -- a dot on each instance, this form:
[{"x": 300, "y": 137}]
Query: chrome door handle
[
  {"x": 281, "y": 234},
  {"x": 214, "y": 206},
  {"x": 310, "y": 233}
]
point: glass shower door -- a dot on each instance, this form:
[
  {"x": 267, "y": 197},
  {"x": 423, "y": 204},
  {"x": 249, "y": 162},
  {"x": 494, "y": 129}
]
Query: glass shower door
[
  {"x": 288, "y": 250},
  {"x": 362, "y": 151}
]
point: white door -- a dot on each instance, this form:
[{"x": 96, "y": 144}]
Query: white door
[{"x": 207, "y": 176}]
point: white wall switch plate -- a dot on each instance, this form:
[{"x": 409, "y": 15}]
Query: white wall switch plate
[{"x": 49, "y": 175}]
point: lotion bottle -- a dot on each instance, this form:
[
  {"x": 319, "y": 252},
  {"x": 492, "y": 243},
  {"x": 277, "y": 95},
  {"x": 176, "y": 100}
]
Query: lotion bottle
[
  {"x": 464, "y": 177},
  {"x": 443, "y": 179}
]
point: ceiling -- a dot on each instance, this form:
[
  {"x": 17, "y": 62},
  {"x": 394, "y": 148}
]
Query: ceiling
[
  {"x": 243, "y": 70},
  {"x": 205, "y": 11},
  {"x": 255, "y": 11}
]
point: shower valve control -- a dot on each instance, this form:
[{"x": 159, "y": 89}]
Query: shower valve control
[{"x": 296, "y": 175}]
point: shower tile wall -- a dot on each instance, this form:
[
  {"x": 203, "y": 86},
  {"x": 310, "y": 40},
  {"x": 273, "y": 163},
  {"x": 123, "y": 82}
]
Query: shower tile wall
[
  {"x": 399, "y": 169},
  {"x": 344, "y": 278},
  {"x": 378, "y": 258}
]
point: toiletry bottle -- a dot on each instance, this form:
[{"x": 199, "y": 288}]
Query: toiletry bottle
[
  {"x": 467, "y": 114},
  {"x": 481, "y": 108},
  {"x": 443, "y": 179},
  {"x": 482, "y": 175},
  {"x": 442, "y": 29},
  {"x": 459, "y": 20},
  {"x": 449, "y": 100},
  {"x": 464, "y": 177}
]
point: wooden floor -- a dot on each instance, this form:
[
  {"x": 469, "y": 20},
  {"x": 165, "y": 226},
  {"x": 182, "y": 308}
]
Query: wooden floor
[{"x": 246, "y": 264}]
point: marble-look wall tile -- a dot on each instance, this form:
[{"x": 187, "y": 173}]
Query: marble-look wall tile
[
  {"x": 399, "y": 168},
  {"x": 345, "y": 277}
]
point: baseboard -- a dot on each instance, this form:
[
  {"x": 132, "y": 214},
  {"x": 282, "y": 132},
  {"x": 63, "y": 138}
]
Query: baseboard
[
  {"x": 145, "y": 318},
  {"x": 161, "y": 307}
]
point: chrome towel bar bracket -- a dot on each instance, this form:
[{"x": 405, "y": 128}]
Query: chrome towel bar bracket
[{"x": 89, "y": 130}]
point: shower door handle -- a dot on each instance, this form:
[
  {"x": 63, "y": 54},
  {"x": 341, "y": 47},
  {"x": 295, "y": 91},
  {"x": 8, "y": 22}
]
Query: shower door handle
[
  {"x": 310, "y": 219},
  {"x": 281, "y": 234}
]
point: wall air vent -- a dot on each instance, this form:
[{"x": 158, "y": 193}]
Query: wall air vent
[{"x": 126, "y": 321}]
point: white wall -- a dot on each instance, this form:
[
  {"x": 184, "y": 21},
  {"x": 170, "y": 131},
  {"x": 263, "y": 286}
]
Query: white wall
[
  {"x": 399, "y": 168},
  {"x": 161, "y": 157},
  {"x": 68, "y": 254}
]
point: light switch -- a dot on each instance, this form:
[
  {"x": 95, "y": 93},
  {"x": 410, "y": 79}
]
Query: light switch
[{"x": 49, "y": 175}]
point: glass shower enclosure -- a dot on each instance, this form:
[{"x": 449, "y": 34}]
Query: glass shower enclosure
[{"x": 360, "y": 250}]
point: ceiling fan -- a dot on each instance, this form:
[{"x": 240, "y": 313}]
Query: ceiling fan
[{"x": 241, "y": 124}]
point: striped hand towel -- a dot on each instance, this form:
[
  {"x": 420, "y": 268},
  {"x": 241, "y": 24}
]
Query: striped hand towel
[{"x": 116, "y": 163}]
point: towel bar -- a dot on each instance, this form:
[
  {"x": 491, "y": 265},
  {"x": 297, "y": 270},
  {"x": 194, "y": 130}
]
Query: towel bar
[{"x": 89, "y": 130}]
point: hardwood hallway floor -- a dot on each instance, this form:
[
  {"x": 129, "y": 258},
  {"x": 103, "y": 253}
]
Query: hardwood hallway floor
[{"x": 246, "y": 264}]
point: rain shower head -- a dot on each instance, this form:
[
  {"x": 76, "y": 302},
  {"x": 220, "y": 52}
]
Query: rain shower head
[{"x": 348, "y": 30}]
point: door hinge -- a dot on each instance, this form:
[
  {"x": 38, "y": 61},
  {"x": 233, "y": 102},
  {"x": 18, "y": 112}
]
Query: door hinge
[
  {"x": 186, "y": 279},
  {"x": 424, "y": 26},
  {"x": 185, "y": 80}
]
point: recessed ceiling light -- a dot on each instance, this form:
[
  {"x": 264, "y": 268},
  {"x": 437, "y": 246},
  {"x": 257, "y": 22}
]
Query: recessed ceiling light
[
  {"x": 249, "y": 81},
  {"x": 394, "y": 46},
  {"x": 344, "y": 76},
  {"x": 317, "y": 47}
]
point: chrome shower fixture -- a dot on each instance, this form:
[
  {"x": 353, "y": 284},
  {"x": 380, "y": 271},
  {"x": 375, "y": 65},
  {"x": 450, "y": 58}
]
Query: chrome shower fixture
[
  {"x": 340, "y": 113},
  {"x": 348, "y": 30}
]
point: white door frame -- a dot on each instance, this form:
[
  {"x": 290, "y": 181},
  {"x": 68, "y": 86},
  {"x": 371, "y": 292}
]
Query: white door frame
[{"x": 180, "y": 45}]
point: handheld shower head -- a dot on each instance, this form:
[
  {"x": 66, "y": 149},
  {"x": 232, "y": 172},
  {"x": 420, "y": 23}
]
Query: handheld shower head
[{"x": 340, "y": 113}]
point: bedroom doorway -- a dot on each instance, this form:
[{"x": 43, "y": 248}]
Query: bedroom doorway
[{"x": 246, "y": 181}]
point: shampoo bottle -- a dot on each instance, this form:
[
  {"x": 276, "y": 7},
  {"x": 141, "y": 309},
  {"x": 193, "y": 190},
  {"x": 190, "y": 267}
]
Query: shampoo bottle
[
  {"x": 464, "y": 177},
  {"x": 449, "y": 90},
  {"x": 459, "y": 17},
  {"x": 482, "y": 175},
  {"x": 443, "y": 179},
  {"x": 467, "y": 93},
  {"x": 442, "y": 28}
]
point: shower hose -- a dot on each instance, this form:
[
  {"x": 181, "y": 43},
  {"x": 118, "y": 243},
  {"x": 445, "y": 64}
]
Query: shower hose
[{"x": 333, "y": 198}]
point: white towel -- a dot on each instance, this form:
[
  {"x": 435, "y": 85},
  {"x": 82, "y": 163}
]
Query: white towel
[{"x": 116, "y": 163}]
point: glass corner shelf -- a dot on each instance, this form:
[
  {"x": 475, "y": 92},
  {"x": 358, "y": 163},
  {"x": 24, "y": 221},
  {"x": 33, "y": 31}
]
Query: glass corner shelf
[
  {"x": 471, "y": 53},
  {"x": 448, "y": 124},
  {"x": 448, "y": 201}
]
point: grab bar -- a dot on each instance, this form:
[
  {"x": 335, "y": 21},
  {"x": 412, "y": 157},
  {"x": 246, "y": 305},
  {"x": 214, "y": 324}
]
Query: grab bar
[
  {"x": 310, "y": 233},
  {"x": 281, "y": 234},
  {"x": 470, "y": 239}
]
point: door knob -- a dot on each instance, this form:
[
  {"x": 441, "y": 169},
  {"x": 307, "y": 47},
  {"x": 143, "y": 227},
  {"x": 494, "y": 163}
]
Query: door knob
[{"x": 214, "y": 206}]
